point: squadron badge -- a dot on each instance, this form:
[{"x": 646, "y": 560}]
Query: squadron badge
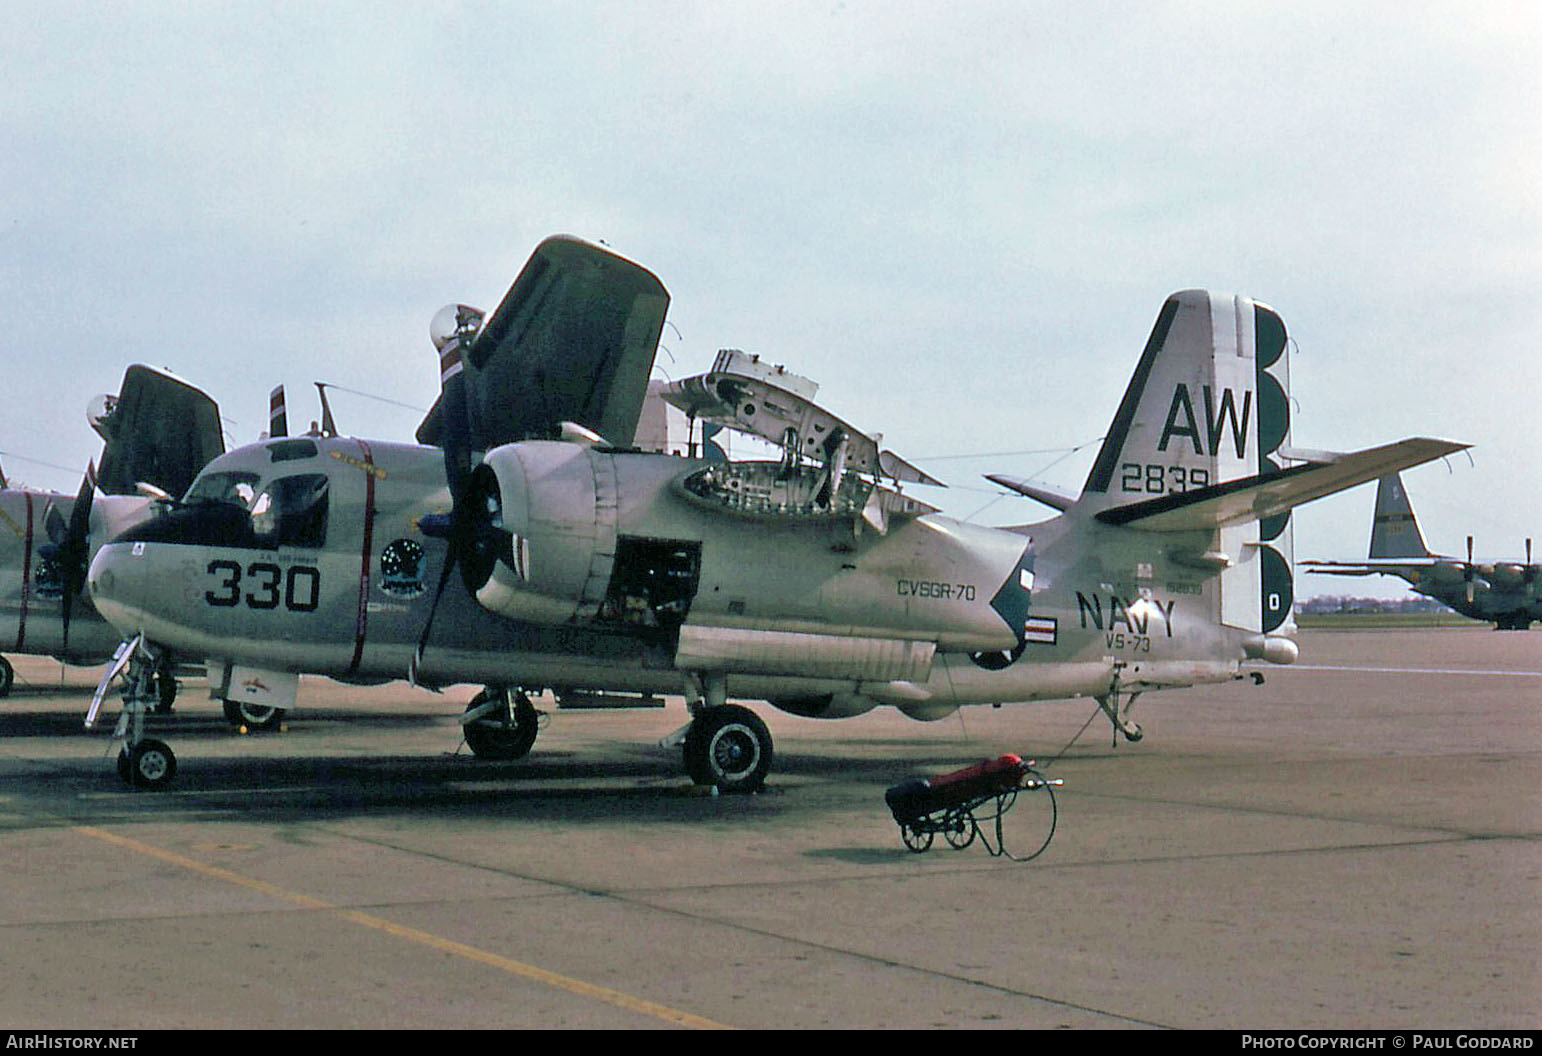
[{"x": 401, "y": 569}]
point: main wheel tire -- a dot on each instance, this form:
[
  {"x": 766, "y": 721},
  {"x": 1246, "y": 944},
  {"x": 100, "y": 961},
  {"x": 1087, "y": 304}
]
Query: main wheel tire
[
  {"x": 7, "y": 677},
  {"x": 253, "y": 716},
  {"x": 151, "y": 764},
  {"x": 498, "y": 741},
  {"x": 728, "y": 747}
]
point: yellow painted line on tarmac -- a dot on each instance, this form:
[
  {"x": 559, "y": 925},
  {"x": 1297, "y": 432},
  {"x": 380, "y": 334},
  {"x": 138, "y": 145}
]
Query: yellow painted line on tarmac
[{"x": 422, "y": 938}]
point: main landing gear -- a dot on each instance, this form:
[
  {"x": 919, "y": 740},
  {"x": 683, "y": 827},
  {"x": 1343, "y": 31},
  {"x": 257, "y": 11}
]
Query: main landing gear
[
  {"x": 500, "y": 724},
  {"x": 725, "y": 746},
  {"x": 245, "y": 716}
]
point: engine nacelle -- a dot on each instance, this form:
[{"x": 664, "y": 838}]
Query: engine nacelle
[
  {"x": 1448, "y": 573},
  {"x": 1507, "y": 576},
  {"x": 533, "y": 504}
]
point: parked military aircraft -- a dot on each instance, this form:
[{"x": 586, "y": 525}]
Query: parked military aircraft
[
  {"x": 811, "y": 582},
  {"x": 1505, "y": 593},
  {"x": 157, "y": 433}
]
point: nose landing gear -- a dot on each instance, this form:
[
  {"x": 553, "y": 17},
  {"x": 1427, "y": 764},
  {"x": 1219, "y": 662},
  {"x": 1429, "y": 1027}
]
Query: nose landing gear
[{"x": 143, "y": 762}]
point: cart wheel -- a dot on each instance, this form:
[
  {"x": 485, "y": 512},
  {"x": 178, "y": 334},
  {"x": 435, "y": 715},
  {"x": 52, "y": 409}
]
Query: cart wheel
[
  {"x": 960, "y": 832},
  {"x": 915, "y": 839}
]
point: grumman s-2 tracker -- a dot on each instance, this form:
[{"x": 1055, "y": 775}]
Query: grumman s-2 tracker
[
  {"x": 157, "y": 433},
  {"x": 810, "y": 582}
]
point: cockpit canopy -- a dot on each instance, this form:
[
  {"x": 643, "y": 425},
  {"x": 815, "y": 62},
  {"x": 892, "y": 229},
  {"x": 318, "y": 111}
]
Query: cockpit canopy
[{"x": 237, "y": 508}]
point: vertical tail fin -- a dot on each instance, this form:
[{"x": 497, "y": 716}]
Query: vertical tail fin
[
  {"x": 1207, "y": 405},
  {"x": 1394, "y": 529}
]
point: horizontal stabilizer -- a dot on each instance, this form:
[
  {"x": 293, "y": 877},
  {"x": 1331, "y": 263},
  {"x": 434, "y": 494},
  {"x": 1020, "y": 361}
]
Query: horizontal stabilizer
[
  {"x": 1270, "y": 494},
  {"x": 1055, "y": 500}
]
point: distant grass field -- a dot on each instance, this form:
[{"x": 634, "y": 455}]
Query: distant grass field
[{"x": 1367, "y": 621}]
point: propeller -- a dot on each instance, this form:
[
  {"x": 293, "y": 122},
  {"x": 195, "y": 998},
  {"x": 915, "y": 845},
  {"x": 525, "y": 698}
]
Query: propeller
[
  {"x": 70, "y": 546},
  {"x": 1468, "y": 571},
  {"x": 453, "y": 329}
]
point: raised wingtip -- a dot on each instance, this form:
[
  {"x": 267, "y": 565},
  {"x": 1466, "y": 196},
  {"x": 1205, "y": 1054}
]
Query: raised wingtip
[{"x": 1055, "y": 500}]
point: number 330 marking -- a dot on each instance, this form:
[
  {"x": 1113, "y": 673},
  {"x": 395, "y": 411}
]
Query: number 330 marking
[{"x": 301, "y": 586}]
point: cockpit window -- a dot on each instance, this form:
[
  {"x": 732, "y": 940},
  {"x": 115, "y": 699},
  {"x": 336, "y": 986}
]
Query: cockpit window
[
  {"x": 292, "y": 450},
  {"x": 292, "y": 511},
  {"x": 238, "y": 488}
]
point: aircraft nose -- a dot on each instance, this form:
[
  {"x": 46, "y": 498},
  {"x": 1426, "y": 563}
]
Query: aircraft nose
[{"x": 111, "y": 582}]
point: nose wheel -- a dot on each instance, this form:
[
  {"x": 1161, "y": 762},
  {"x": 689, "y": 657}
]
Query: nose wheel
[{"x": 149, "y": 764}]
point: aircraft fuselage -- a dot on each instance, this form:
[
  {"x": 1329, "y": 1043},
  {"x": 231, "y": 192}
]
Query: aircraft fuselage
[{"x": 622, "y": 581}]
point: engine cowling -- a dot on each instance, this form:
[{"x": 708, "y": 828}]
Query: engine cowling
[
  {"x": 1507, "y": 576},
  {"x": 1448, "y": 573},
  {"x": 533, "y": 510}
]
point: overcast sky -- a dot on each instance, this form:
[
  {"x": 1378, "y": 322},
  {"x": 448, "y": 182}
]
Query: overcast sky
[{"x": 959, "y": 218}]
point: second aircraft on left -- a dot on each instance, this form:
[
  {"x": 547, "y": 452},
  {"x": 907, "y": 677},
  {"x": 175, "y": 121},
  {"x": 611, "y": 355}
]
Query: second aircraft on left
[{"x": 157, "y": 433}]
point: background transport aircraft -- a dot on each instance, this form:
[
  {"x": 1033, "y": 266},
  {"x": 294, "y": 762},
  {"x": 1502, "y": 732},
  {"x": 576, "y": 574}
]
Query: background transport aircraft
[
  {"x": 1504, "y": 593},
  {"x": 158, "y": 432},
  {"x": 811, "y": 581}
]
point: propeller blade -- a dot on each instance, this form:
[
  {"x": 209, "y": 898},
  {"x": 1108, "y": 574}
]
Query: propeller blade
[
  {"x": 278, "y": 416},
  {"x": 416, "y": 664},
  {"x": 452, "y": 330},
  {"x": 76, "y": 548},
  {"x": 54, "y": 524}
]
